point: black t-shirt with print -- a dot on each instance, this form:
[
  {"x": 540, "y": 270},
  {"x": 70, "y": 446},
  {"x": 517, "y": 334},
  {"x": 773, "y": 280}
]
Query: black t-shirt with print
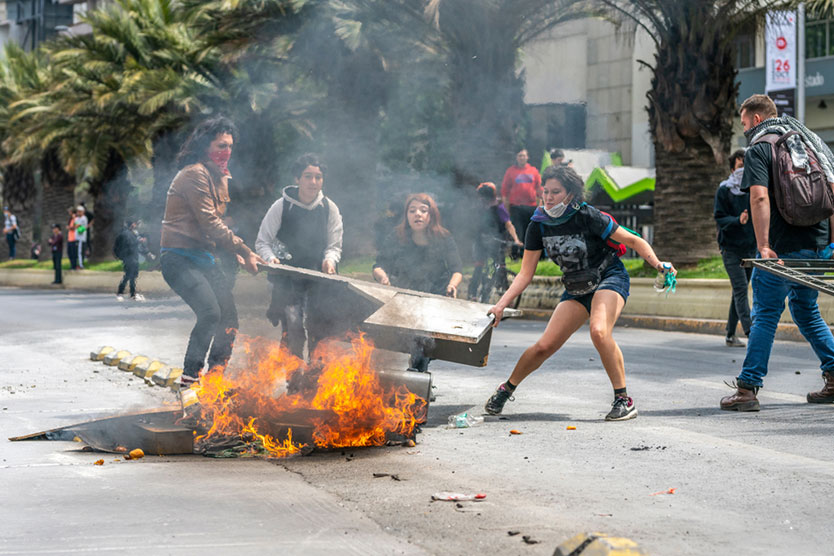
[
  {"x": 783, "y": 237},
  {"x": 576, "y": 244}
]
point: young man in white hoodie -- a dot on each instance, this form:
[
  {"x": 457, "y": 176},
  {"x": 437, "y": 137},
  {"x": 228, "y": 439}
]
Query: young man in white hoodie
[{"x": 304, "y": 229}]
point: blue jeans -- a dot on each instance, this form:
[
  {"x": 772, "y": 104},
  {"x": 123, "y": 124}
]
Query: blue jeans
[
  {"x": 11, "y": 240},
  {"x": 207, "y": 290},
  {"x": 769, "y": 292}
]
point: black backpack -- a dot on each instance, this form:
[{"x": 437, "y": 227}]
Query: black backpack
[
  {"x": 120, "y": 246},
  {"x": 803, "y": 197}
]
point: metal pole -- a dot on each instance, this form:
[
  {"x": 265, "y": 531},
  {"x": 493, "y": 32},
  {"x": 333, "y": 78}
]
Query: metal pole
[{"x": 800, "y": 62}]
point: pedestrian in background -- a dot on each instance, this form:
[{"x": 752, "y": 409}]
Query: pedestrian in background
[
  {"x": 56, "y": 245},
  {"x": 88, "y": 241},
  {"x": 192, "y": 233},
  {"x": 737, "y": 241},
  {"x": 126, "y": 249},
  {"x": 81, "y": 224},
  {"x": 11, "y": 230},
  {"x": 492, "y": 236},
  {"x": 776, "y": 239},
  {"x": 521, "y": 191},
  {"x": 557, "y": 157},
  {"x": 72, "y": 244}
]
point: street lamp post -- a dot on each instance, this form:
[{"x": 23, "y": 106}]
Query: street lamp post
[{"x": 800, "y": 62}]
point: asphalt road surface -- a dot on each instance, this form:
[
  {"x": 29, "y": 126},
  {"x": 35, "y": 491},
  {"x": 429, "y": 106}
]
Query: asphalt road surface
[{"x": 751, "y": 483}]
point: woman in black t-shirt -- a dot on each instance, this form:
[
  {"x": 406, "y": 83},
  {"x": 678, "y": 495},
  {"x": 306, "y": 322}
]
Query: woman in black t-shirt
[
  {"x": 582, "y": 241},
  {"x": 420, "y": 255}
]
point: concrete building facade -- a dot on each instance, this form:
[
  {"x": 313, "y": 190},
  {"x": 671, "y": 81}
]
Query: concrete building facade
[{"x": 586, "y": 88}]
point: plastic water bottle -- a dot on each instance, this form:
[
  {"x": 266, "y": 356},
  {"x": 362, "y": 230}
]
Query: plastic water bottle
[
  {"x": 828, "y": 251},
  {"x": 660, "y": 280},
  {"x": 464, "y": 421}
]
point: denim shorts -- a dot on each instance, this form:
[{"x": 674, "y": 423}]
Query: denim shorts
[{"x": 614, "y": 277}]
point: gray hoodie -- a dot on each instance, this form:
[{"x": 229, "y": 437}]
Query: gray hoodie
[{"x": 271, "y": 224}]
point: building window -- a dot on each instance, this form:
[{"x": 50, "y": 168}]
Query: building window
[
  {"x": 745, "y": 51},
  {"x": 818, "y": 37}
]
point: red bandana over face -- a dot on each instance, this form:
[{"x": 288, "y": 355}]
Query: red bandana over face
[{"x": 221, "y": 158}]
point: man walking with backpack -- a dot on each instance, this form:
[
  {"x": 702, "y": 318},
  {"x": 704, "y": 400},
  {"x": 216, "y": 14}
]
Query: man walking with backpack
[{"x": 784, "y": 228}]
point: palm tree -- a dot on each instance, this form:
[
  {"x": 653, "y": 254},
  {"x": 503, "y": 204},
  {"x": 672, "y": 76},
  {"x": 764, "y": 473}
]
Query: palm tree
[
  {"x": 22, "y": 74},
  {"x": 268, "y": 96},
  {"x": 692, "y": 107},
  {"x": 333, "y": 64},
  {"x": 140, "y": 73}
]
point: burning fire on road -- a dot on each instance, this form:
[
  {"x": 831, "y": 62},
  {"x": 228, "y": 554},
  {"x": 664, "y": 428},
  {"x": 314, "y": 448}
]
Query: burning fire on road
[{"x": 273, "y": 403}]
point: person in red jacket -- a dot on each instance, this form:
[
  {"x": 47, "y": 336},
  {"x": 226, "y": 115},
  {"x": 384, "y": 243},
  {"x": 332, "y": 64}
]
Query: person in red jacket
[{"x": 521, "y": 191}]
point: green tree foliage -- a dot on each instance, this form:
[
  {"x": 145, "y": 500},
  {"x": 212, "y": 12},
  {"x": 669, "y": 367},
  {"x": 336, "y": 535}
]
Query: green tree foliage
[
  {"x": 692, "y": 108},
  {"x": 425, "y": 86},
  {"x": 21, "y": 74}
]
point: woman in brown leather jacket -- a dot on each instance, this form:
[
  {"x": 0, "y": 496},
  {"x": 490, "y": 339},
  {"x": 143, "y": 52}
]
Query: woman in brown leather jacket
[{"x": 193, "y": 232}]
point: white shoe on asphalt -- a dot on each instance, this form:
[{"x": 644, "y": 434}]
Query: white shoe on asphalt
[
  {"x": 120, "y": 297},
  {"x": 138, "y": 297}
]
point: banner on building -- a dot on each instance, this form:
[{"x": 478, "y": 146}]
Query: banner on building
[{"x": 780, "y": 51}]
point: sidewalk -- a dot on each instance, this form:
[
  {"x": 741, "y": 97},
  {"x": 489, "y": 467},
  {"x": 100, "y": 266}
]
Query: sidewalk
[{"x": 699, "y": 306}]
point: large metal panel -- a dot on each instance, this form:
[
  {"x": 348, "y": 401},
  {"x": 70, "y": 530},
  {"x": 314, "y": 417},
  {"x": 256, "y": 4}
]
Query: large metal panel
[{"x": 397, "y": 319}]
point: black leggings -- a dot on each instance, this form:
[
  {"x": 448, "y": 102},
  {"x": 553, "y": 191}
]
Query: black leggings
[
  {"x": 131, "y": 273},
  {"x": 72, "y": 253},
  {"x": 207, "y": 290}
]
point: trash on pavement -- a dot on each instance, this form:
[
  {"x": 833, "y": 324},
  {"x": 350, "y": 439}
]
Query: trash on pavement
[
  {"x": 570, "y": 428},
  {"x": 457, "y": 497},
  {"x": 98, "y": 462},
  {"x": 135, "y": 454},
  {"x": 513, "y": 431},
  {"x": 643, "y": 448},
  {"x": 529, "y": 540},
  {"x": 513, "y": 533},
  {"x": 393, "y": 476},
  {"x": 464, "y": 421},
  {"x": 670, "y": 491}
]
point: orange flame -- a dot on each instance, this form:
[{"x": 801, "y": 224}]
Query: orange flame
[{"x": 343, "y": 405}]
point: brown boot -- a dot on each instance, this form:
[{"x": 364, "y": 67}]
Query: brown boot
[
  {"x": 826, "y": 395},
  {"x": 743, "y": 400}
]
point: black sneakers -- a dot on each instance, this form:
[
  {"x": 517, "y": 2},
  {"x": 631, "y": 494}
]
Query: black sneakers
[
  {"x": 495, "y": 404},
  {"x": 622, "y": 409}
]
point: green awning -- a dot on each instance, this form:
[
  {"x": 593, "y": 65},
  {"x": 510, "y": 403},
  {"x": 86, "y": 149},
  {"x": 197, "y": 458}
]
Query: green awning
[{"x": 622, "y": 182}]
